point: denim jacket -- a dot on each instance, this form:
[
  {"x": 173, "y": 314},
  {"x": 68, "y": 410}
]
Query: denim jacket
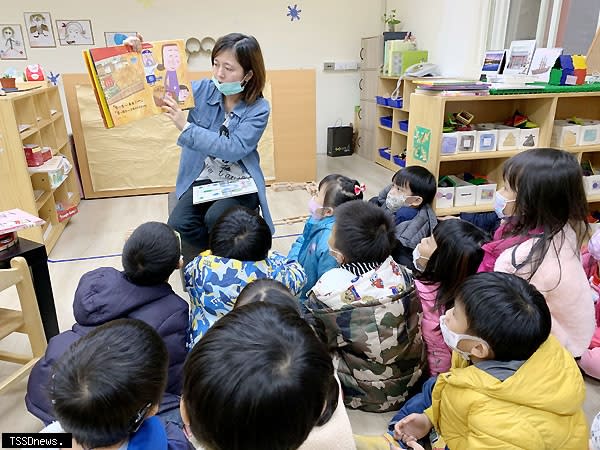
[{"x": 202, "y": 139}]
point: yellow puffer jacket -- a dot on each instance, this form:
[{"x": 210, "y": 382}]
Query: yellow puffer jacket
[{"x": 539, "y": 407}]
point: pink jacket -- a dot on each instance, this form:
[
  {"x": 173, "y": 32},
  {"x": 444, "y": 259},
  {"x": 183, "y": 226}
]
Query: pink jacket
[
  {"x": 439, "y": 354},
  {"x": 564, "y": 284}
]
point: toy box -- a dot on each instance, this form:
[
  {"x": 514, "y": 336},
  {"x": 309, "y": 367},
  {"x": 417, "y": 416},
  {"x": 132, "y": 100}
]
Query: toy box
[
  {"x": 565, "y": 134},
  {"x": 528, "y": 138},
  {"x": 508, "y": 137},
  {"x": 449, "y": 143}
]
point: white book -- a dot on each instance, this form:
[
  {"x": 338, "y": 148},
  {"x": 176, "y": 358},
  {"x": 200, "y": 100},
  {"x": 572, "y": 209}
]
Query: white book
[{"x": 223, "y": 189}]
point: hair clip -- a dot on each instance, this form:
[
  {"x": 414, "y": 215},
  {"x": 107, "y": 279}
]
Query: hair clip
[{"x": 359, "y": 189}]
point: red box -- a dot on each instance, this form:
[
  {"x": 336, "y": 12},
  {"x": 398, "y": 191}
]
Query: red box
[
  {"x": 580, "y": 74},
  {"x": 46, "y": 153},
  {"x": 64, "y": 214},
  {"x": 33, "y": 155}
]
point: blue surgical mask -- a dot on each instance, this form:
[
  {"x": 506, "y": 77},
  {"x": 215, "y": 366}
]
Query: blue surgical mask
[
  {"x": 231, "y": 88},
  {"x": 500, "y": 203}
]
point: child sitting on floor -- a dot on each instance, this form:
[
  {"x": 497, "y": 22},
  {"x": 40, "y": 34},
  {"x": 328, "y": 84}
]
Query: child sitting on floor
[
  {"x": 369, "y": 310},
  {"x": 107, "y": 386},
  {"x": 511, "y": 382},
  {"x": 260, "y": 379},
  {"x": 238, "y": 253},
  {"x": 141, "y": 291},
  {"x": 311, "y": 249},
  {"x": 409, "y": 199}
]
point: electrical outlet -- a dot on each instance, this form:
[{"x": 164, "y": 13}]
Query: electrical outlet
[{"x": 329, "y": 66}]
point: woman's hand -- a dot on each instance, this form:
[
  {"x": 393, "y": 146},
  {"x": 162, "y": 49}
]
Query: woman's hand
[
  {"x": 134, "y": 42},
  {"x": 172, "y": 109}
]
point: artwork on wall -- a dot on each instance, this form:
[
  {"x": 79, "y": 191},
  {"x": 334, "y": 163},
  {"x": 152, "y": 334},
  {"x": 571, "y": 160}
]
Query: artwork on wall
[
  {"x": 74, "y": 32},
  {"x": 113, "y": 38},
  {"x": 38, "y": 27},
  {"x": 11, "y": 42}
]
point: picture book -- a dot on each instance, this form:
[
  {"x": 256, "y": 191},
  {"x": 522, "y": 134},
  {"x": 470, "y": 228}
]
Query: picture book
[
  {"x": 15, "y": 219},
  {"x": 130, "y": 85},
  {"x": 520, "y": 56},
  {"x": 542, "y": 62},
  {"x": 223, "y": 189}
]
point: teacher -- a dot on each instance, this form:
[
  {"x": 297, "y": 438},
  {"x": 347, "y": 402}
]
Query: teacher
[{"x": 219, "y": 137}]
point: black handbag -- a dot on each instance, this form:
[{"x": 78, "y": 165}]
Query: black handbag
[{"x": 339, "y": 141}]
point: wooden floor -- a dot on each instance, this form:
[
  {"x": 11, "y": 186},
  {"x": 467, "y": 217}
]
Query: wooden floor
[{"x": 95, "y": 237}]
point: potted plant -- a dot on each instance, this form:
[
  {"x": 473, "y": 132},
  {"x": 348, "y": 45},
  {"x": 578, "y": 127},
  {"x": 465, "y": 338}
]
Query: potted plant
[
  {"x": 8, "y": 80},
  {"x": 390, "y": 20}
]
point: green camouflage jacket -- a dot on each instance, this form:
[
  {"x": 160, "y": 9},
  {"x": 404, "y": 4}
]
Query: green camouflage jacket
[{"x": 373, "y": 326}]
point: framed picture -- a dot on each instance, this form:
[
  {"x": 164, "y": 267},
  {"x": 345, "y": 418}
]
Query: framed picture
[
  {"x": 11, "y": 42},
  {"x": 74, "y": 32},
  {"x": 117, "y": 37},
  {"x": 493, "y": 61},
  {"x": 38, "y": 27}
]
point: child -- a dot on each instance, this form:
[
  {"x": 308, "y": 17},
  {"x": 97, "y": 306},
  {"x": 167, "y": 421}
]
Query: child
[
  {"x": 311, "y": 249},
  {"x": 456, "y": 244},
  {"x": 521, "y": 388},
  {"x": 261, "y": 379},
  {"x": 267, "y": 290},
  {"x": 370, "y": 314},
  {"x": 141, "y": 291},
  {"x": 107, "y": 386},
  {"x": 409, "y": 198},
  {"x": 545, "y": 209},
  {"x": 238, "y": 253}
]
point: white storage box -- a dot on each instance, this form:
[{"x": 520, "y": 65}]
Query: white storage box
[
  {"x": 589, "y": 133},
  {"x": 508, "y": 137},
  {"x": 565, "y": 134},
  {"x": 485, "y": 194},
  {"x": 444, "y": 197},
  {"x": 449, "y": 143},
  {"x": 592, "y": 184},
  {"x": 486, "y": 141},
  {"x": 464, "y": 192},
  {"x": 466, "y": 141},
  {"x": 529, "y": 138}
]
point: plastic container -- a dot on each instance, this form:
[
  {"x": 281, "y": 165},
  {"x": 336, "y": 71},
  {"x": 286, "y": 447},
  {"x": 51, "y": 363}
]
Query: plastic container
[
  {"x": 385, "y": 153},
  {"x": 403, "y": 124},
  {"x": 399, "y": 161},
  {"x": 381, "y": 100},
  {"x": 386, "y": 121},
  {"x": 395, "y": 103}
]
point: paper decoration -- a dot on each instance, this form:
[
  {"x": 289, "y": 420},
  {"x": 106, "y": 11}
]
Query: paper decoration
[{"x": 293, "y": 12}]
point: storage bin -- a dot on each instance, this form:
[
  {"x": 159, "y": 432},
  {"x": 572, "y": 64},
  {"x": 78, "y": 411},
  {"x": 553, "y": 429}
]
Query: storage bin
[
  {"x": 381, "y": 100},
  {"x": 386, "y": 121},
  {"x": 33, "y": 155},
  {"x": 565, "y": 134},
  {"x": 508, "y": 138},
  {"x": 485, "y": 194},
  {"x": 449, "y": 143},
  {"x": 395, "y": 103},
  {"x": 51, "y": 174},
  {"x": 385, "y": 153},
  {"x": 403, "y": 124},
  {"x": 486, "y": 140},
  {"x": 591, "y": 184},
  {"x": 444, "y": 197},
  {"x": 399, "y": 161},
  {"x": 466, "y": 141},
  {"x": 589, "y": 133},
  {"x": 529, "y": 138}
]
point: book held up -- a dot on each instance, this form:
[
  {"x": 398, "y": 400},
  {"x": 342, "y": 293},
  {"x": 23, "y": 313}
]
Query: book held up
[{"x": 131, "y": 85}]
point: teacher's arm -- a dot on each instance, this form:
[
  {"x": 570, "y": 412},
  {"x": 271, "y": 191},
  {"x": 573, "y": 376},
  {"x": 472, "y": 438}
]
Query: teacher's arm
[{"x": 242, "y": 140}]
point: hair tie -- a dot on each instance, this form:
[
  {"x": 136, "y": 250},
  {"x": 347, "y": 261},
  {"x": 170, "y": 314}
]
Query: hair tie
[{"x": 360, "y": 188}]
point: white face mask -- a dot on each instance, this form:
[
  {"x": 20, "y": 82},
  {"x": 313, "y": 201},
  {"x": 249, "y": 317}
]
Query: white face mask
[
  {"x": 394, "y": 201},
  {"x": 416, "y": 256},
  {"x": 452, "y": 339},
  {"x": 500, "y": 203}
]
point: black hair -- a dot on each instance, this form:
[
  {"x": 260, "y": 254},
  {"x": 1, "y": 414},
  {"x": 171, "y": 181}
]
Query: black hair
[
  {"x": 457, "y": 256},
  {"x": 420, "y": 181},
  {"x": 550, "y": 194},
  {"x": 363, "y": 232},
  {"x": 241, "y": 234},
  {"x": 151, "y": 254},
  {"x": 106, "y": 382},
  {"x": 339, "y": 189},
  {"x": 275, "y": 384},
  {"x": 507, "y": 312},
  {"x": 267, "y": 290}
]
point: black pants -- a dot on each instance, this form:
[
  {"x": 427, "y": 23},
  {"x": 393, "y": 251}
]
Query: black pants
[{"x": 194, "y": 222}]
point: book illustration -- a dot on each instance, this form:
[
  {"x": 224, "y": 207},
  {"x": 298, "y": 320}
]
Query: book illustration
[
  {"x": 75, "y": 32},
  {"x": 16, "y": 219},
  {"x": 223, "y": 189},
  {"x": 510, "y": 140},
  {"x": 493, "y": 61},
  {"x": 529, "y": 141},
  {"x": 520, "y": 56},
  {"x": 130, "y": 86},
  {"x": 569, "y": 138},
  {"x": 542, "y": 62}
]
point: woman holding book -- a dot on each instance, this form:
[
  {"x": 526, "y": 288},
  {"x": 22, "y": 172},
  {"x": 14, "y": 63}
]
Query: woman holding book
[{"x": 219, "y": 137}]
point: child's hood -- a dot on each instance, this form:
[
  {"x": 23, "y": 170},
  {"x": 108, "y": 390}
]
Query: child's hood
[
  {"x": 549, "y": 381},
  {"x": 105, "y": 294}
]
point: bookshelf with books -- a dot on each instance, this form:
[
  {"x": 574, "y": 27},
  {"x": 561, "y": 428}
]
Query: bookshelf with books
[
  {"x": 34, "y": 119},
  {"x": 428, "y": 113}
]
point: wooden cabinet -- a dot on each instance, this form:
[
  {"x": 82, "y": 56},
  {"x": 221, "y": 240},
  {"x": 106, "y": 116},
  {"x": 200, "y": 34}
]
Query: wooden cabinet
[{"x": 35, "y": 117}]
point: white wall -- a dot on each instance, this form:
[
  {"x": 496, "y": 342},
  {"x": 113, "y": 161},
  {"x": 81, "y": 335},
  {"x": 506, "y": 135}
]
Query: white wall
[
  {"x": 452, "y": 31},
  {"x": 328, "y": 30}
]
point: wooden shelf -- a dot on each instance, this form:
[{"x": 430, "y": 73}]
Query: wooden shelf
[
  {"x": 384, "y": 128},
  {"x": 583, "y": 148},
  {"x": 593, "y": 198},
  {"x": 43, "y": 199},
  {"x": 463, "y": 209},
  {"x": 28, "y": 132},
  {"x": 44, "y": 123},
  {"x": 466, "y": 156},
  {"x": 403, "y": 133}
]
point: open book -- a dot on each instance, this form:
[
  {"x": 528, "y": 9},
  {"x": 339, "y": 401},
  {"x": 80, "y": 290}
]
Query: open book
[
  {"x": 130, "y": 85},
  {"x": 223, "y": 189},
  {"x": 16, "y": 219}
]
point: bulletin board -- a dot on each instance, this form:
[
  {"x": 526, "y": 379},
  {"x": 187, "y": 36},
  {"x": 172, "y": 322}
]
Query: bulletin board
[{"x": 143, "y": 158}]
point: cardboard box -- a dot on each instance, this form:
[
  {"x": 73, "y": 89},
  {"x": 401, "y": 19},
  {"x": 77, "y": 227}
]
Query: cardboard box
[
  {"x": 591, "y": 185},
  {"x": 486, "y": 194},
  {"x": 589, "y": 133},
  {"x": 487, "y": 140},
  {"x": 444, "y": 197},
  {"x": 529, "y": 138},
  {"x": 508, "y": 138},
  {"x": 466, "y": 141},
  {"x": 464, "y": 193},
  {"x": 564, "y": 134},
  {"x": 449, "y": 143}
]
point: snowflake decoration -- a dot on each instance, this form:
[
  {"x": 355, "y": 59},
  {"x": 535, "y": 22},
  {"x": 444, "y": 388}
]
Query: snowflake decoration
[
  {"x": 54, "y": 78},
  {"x": 293, "y": 13}
]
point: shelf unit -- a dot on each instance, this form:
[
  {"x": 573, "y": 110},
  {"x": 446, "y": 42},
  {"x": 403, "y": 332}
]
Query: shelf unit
[
  {"x": 393, "y": 138},
  {"x": 42, "y": 111},
  {"x": 429, "y": 111}
]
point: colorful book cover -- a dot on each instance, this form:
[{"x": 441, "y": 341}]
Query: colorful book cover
[
  {"x": 130, "y": 85},
  {"x": 15, "y": 219},
  {"x": 223, "y": 189}
]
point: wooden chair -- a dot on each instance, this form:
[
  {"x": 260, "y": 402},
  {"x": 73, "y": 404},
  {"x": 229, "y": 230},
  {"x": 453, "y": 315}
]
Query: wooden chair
[{"x": 27, "y": 320}]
